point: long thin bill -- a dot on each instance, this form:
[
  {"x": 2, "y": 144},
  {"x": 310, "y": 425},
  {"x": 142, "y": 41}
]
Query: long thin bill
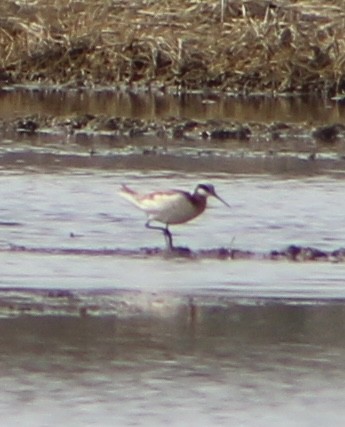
[{"x": 221, "y": 200}]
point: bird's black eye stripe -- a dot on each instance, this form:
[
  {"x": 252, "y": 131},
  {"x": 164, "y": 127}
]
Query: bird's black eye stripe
[{"x": 206, "y": 188}]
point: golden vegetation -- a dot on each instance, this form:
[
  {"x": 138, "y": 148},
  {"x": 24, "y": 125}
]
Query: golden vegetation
[{"x": 241, "y": 46}]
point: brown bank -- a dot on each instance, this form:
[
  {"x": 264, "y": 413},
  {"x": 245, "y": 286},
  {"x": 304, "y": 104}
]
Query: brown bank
[{"x": 237, "y": 46}]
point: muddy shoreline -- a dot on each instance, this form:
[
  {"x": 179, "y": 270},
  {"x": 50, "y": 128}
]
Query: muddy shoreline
[
  {"x": 92, "y": 132},
  {"x": 100, "y": 141},
  {"x": 174, "y": 128},
  {"x": 290, "y": 253}
]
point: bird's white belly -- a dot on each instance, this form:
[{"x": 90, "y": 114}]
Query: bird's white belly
[{"x": 175, "y": 214}]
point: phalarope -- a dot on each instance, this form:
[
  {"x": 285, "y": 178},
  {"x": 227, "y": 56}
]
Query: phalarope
[{"x": 171, "y": 207}]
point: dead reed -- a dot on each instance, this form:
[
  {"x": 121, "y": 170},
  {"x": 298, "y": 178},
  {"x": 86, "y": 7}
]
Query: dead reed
[{"x": 241, "y": 46}]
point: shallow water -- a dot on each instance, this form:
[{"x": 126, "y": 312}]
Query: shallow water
[
  {"x": 152, "y": 340},
  {"x": 242, "y": 365},
  {"x": 94, "y": 331},
  {"x": 73, "y": 208},
  {"x": 72, "y": 241}
]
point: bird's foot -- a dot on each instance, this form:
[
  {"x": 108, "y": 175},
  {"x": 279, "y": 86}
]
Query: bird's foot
[
  {"x": 174, "y": 250},
  {"x": 178, "y": 251}
]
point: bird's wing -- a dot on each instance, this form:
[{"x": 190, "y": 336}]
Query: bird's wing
[
  {"x": 159, "y": 201},
  {"x": 152, "y": 202}
]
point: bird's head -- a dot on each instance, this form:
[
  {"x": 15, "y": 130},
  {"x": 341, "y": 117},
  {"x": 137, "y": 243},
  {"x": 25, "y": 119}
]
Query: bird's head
[{"x": 206, "y": 190}]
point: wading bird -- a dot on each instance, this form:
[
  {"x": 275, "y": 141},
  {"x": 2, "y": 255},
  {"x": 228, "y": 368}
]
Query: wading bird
[{"x": 171, "y": 207}]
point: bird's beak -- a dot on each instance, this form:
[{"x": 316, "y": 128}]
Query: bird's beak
[{"x": 221, "y": 200}]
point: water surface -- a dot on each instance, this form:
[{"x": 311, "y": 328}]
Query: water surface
[
  {"x": 94, "y": 331},
  {"x": 241, "y": 365},
  {"x": 155, "y": 105}
]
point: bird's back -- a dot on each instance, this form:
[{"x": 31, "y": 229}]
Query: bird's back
[
  {"x": 151, "y": 202},
  {"x": 168, "y": 207}
]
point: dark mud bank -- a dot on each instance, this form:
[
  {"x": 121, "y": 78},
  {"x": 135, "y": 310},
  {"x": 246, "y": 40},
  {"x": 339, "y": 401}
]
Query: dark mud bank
[
  {"x": 175, "y": 128},
  {"x": 100, "y": 141},
  {"x": 293, "y": 253}
]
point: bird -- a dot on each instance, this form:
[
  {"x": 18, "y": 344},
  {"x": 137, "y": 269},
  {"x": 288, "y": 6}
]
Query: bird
[{"x": 171, "y": 207}]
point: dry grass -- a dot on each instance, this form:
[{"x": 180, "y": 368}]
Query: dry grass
[{"x": 239, "y": 46}]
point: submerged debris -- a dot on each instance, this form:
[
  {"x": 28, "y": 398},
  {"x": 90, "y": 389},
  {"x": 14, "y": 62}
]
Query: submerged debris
[
  {"x": 241, "y": 133},
  {"x": 298, "y": 253},
  {"x": 328, "y": 134},
  {"x": 27, "y": 125},
  {"x": 292, "y": 253}
]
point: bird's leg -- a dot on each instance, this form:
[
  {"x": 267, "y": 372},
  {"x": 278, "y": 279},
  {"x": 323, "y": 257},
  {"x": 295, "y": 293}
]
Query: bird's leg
[
  {"x": 166, "y": 232},
  {"x": 168, "y": 238}
]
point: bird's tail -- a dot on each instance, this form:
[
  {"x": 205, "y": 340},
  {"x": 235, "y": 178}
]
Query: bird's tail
[
  {"x": 126, "y": 190},
  {"x": 129, "y": 194}
]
